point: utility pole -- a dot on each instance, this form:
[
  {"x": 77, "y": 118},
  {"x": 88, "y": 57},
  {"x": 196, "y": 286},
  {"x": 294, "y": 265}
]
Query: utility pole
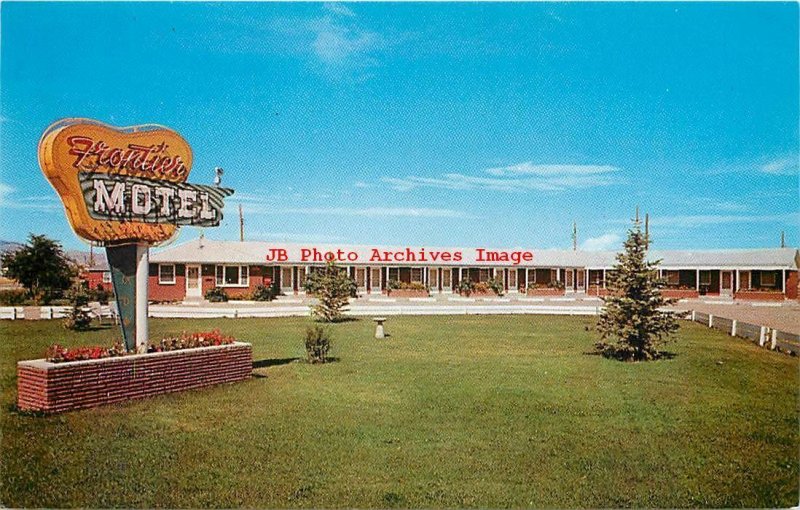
[
  {"x": 646, "y": 231},
  {"x": 637, "y": 214},
  {"x": 574, "y": 236},
  {"x": 783, "y": 239},
  {"x": 241, "y": 224}
]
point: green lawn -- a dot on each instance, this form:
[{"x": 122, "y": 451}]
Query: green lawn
[{"x": 448, "y": 412}]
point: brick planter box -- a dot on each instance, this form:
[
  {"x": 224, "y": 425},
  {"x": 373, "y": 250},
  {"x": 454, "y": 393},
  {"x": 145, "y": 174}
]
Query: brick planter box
[
  {"x": 759, "y": 295},
  {"x": 680, "y": 293},
  {"x": 545, "y": 292},
  {"x": 57, "y": 387},
  {"x": 407, "y": 293}
]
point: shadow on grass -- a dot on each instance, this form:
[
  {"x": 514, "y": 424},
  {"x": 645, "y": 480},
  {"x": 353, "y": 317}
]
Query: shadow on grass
[
  {"x": 662, "y": 355},
  {"x": 274, "y": 362}
]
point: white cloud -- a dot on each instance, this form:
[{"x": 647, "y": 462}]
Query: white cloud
[
  {"x": 295, "y": 236},
  {"x": 696, "y": 220},
  {"x": 339, "y": 47},
  {"x": 787, "y": 165},
  {"x": 528, "y": 168},
  {"x": 607, "y": 241},
  {"x": 370, "y": 212},
  {"x": 338, "y": 8},
  {"x": 5, "y": 191},
  {"x": 516, "y": 178},
  {"x": 37, "y": 203},
  {"x": 361, "y": 184}
]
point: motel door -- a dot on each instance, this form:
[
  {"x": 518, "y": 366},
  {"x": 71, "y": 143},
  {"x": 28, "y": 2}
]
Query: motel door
[
  {"x": 569, "y": 280},
  {"x": 361, "y": 279},
  {"x": 581, "y": 275},
  {"x": 726, "y": 283},
  {"x": 193, "y": 289},
  {"x": 375, "y": 279}
]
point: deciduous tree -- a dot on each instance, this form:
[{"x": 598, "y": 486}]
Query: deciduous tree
[{"x": 41, "y": 267}]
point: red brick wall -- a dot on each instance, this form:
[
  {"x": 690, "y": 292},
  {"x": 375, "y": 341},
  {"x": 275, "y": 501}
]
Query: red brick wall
[
  {"x": 58, "y": 387},
  {"x": 759, "y": 296},
  {"x": 792, "y": 284},
  {"x": 167, "y": 291},
  {"x": 95, "y": 278}
]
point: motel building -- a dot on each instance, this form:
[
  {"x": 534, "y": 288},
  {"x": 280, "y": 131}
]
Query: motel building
[{"x": 188, "y": 270}]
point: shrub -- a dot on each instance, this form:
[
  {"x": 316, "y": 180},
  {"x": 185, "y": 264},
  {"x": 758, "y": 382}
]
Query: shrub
[
  {"x": 13, "y": 297},
  {"x": 318, "y": 344},
  {"x": 262, "y": 293},
  {"x": 466, "y": 287},
  {"x": 556, "y": 284},
  {"x": 496, "y": 285},
  {"x": 100, "y": 294},
  {"x": 78, "y": 318},
  {"x": 217, "y": 295}
]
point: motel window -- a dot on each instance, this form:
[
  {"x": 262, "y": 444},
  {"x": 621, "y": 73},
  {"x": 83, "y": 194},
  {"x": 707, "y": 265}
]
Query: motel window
[
  {"x": 232, "y": 276},
  {"x": 673, "y": 278},
  {"x": 416, "y": 274},
  {"x": 705, "y": 277},
  {"x": 394, "y": 274},
  {"x": 106, "y": 276},
  {"x": 767, "y": 279},
  {"x": 483, "y": 275},
  {"x": 166, "y": 274}
]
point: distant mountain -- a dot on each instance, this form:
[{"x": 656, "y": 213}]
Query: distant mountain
[
  {"x": 87, "y": 259},
  {"x": 9, "y": 246},
  {"x": 84, "y": 258}
]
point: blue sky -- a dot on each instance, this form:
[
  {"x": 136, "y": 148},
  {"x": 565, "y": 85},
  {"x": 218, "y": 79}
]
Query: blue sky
[{"x": 430, "y": 124}]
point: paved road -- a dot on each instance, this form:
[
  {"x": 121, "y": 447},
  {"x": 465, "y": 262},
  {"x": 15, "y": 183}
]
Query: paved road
[{"x": 785, "y": 316}]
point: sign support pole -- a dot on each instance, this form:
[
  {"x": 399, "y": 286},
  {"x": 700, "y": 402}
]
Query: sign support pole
[{"x": 142, "y": 270}]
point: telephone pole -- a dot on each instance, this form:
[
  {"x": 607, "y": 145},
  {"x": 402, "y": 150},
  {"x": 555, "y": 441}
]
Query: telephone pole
[
  {"x": 241, "y": 224},
  {"x": 646, "y": 231},
  {"x": 574, "y": 236},
  {"x": 783, "y": 239}
]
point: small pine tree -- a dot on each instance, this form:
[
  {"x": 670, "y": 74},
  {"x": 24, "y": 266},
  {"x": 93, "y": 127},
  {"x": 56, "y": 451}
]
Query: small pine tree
[
  {"x": 79, "y": 318},
  {"x": 333, "y": 287},
  {"x": 631, "y": 326}
]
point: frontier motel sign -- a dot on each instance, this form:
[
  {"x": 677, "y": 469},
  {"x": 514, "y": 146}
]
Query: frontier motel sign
[{"x": 125, "y": 189}]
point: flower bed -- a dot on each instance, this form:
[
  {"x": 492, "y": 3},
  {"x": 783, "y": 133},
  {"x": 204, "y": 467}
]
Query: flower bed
[
  {"x": 406, "y": 293},
  {"x": 759, "y": 295},
  {"x": 88, "y": 377},
  {"x": 544, "y": 291}
]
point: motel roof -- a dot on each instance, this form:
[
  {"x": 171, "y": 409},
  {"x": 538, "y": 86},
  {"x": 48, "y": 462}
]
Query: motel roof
[{"x": 207, "y": 251}]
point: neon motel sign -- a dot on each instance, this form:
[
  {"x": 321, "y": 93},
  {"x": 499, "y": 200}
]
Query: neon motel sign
[{"x": 125, "y": 189}]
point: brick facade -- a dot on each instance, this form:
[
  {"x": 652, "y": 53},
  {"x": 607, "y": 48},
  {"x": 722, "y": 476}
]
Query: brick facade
[{"x": 57, "y": 387}]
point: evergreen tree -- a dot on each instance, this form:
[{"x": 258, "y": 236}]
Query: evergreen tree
[
  {"x": 333, "y": 287},
  {"x": 631, "y": 326}
]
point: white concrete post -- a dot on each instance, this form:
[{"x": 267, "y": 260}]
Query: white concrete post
[
  {"x": 762, "y": 337},
  {"x": 526, "y": 279},
  {"x": 783, "y": 281},
  {"x": 13, "y": 313},
  {"x": 710, "y": 320},
  {"x": 773, "y": 339},
  {"x": 738, "y": 281},
  {"x": 697, "y": 281},
  {"x": 733, "y": 327},
  {"x": 142, "y": 264},
  {"x": 694, "y": 316},
  {"x": 604, "y": 278}
]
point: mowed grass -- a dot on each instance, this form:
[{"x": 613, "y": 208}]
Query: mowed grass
[{"x": 448, "y": 412}]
